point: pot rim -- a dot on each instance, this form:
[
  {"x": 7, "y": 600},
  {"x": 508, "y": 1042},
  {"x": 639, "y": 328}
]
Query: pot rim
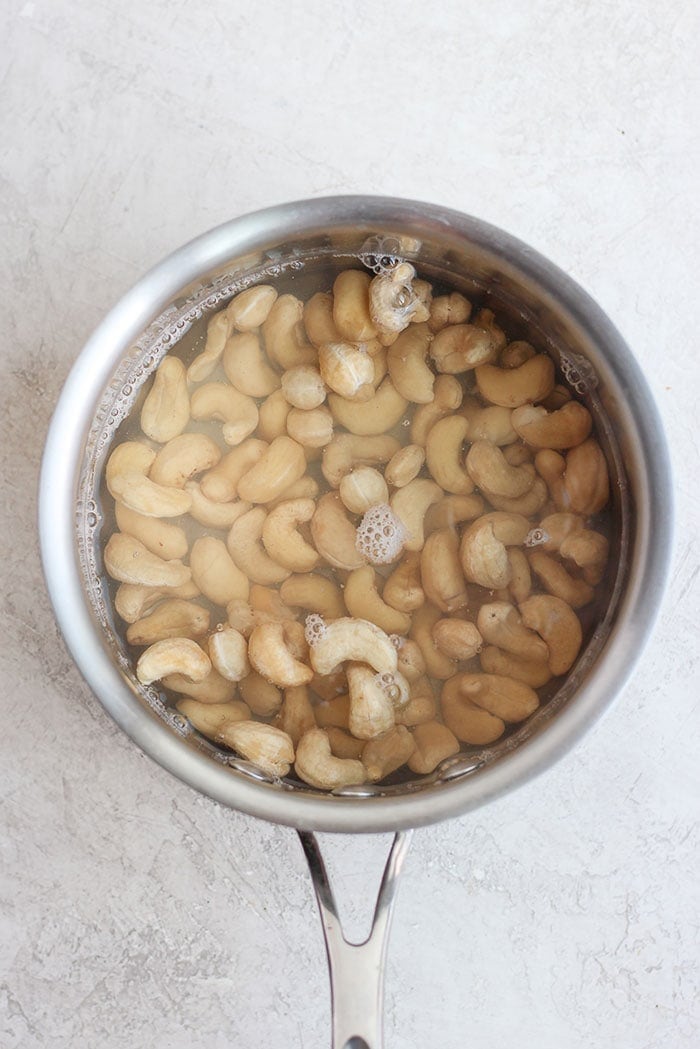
[{"x": 62, "y": 458}]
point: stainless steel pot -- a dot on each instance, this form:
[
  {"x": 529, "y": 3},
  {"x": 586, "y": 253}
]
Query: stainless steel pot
[{"x": 283, "y": 244}]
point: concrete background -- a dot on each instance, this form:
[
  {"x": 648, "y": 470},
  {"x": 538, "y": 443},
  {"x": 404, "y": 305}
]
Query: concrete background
[{"x": 134, "y": 912}]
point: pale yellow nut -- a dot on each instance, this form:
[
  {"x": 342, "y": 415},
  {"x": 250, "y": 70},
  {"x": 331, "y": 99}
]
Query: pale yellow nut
[
  {"x": 404, "y": 465},
  {"x": 444, "y": 455},
  {"x": 437, "y": 663},
  {"x": 553, "y": 530},
  {"x": 284, "y": 334},
  {"x": 211, "y": 689},
  {"x": 588, "y": 550},
  {"x": 421, "y": 707},
  {"x": 447, "y": 398},
  {"x": 520, "y": 583},
  {"x": 558, "y": 626},
  {"x": 273, "y": 412},
  {"x": 271, "y": 650},
  {"x": 171, "y": 618},
  {"x": 403, "y": 589},
  {"x": 133, "y": 600},
  {"x": 410, "y": 504},
  {"x": 555, "y": 579},
  {"x": 347, "y": 370},
  {"x": 246, "y": 548},
  {"x": 559, "y": 396},
  {"x": 343, "y": 745},
  {"x": 160, "y": 537},
  {"x": 411, "y": 664},
  {"x": 269, "y": 600},
  {"x": 303, "y": 387},
  {"x": 210, "y": 718},
  {"x": 490, "y": 471},
  {"x": 351, "y": 314},
  {"x": 220, "y": 484},
  {"x": 280, "y": 465},
  {"x": 383, "y": 756},
  {"x": 263, "y": 698},
  {"x": 459, "y": 348},
  {"x": 177, "y": 655},
  {"x": 306, "y": 487},
  {"x": 449, "y": 309},
  {"x": 406, "y": 361},
  {"x": 505, "y": 698},
  {"x": 371, "y": 709},
  {"x": 251, "y": 308},
  {"x": 246, "y": 366},
  {"x": 457, "y": 638},
  {"x": 128, "y": 561},
  {"x": 363, "y": 488},
  {"x": 586, "y": 480},
  {"x": 314, "y": 593},
  {"x": 166, "y": 409},
  {"x": 218, "y": 400},
  {"x": 564, "y": 428},
  {"x": 228, "y": 652},
  {"x": 334, "y": 534},
  {"x": 371, "y": 417},
  {"x": 433, "y": 743},
  {"x": 332, "y": 711},
  {"x": 316, "y": 765},
  {"x": 282, "y": 539},
  {"x": 215, "y": 573},
  {"x": 353, "y": 640},
  {"x": 533, "y": 672},
  {"x": 452, "y": 510},
  {"x": 469, "y": 722},
  {"x": 312, "y": 429},
  {"x": 363, "y": 601},
  {"x": 212, "y": 514},
  {"x": 318, "y": 319},
  {"x": 513, "y": 387},
  {"x": 183, "y": 458},
  {"x": 492, "y": 423},
  {"x": 396, "y": 299},
  {"x": 218, "y": 330},
  {"x": 500, "y": 624},
  {"x": 528, "y": 504},
  {"x": 516, "y": 353},
  {"x": 126, "y": 479},
  {"x": 517, "y": 453},
  {"x": 483, "y": 548},
  {"x": 296, "y": 715},
  {"x": 441, "y": 571},
  {"x": 130, "y": 457},
  {"x": 265, "y": 746},
  {"x": 347, "y": 451}
]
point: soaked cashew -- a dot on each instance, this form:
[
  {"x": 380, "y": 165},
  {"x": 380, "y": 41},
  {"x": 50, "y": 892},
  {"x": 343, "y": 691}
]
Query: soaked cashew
[
  {"x": 245, "y": 545},
  {"x": 273, "y": 649},
  {"x": 443, "y": 453},
  {"x": 351, "y": 314},
  {"x": 133, "y": 600},
  {"x": 383, "y": 756},
  {"x": 469, "y": 722},
  {"x": 556, "y": 580},
  {"x": 483, "y": 548},
  {"x": 503, "y": 697},
  {"x": 516, "y": 353},
  {"x": 500, "y": 624},
  {"x": 282, "y": 540},
  {"x": 126, "y": 479},
  {"x": 406, "y": 361},
  {"x": 128, "y": 561},
  {"x": 404, "y": 465},
  {"x": 558, "y": 626},
  {"x": 363, "y": 488},
  {"x": 314, "y": 593},
  {"x": 211, "y": 689},
  {"x": 228, "y": 652},
  {"x": 263, "y": 698},
  {"x": 564, "y": 428},
  {"x": 411, "y": 664},
  {"x": 452, "y": 510},
  {"x": 353, "y": 640},
  {"x": 284, "y": 335},
  {"x": 267, "y": 599},
  {"x": 166, "y": 409},
  {"x": 273, "y": 414},
  {"x": 218, "y": 330},
  {"x": 371, "y": 417},
  {"x": 396, "y": 299},
  {"x": 209, "y": 718},
  {"x": 334, "y": 533},
  {"x": 532, "y": 672},
  {"x": 458, "y": 639},
  {"x": 182, "y": 458},
  {"x": 347, "y": 451},
  {"x": 447, "y": 398},
  {"x": 490, "y": 471},
  {"x": 318, "y": 319},
  {"x": 171, "y": 618},
  {"x": 296, "y": 715},
  {"x": 449, "y": 309},
  {"x": 316, "y": 765},
  {"x": 437, "y": 663},
  {"x": 160, "y": 537},
  {"x": 305, "y": 488},
  {"x": 553, "y": 530},
  {"x": 441, "y": 571},
  {"x": 218, "y": 400},
  {"x": 520, "y": 579},
  {"x": 177, "y": 655},
  {"x": 586, "y": 482},
  {"x": 303, "y": 387},
  {"x": 333, "y": 712},
  {"x": 247, "y": 367},
  {"x": 434, "y": 743},
  {"x": 528, "y": 504},
  {"x": 343, "y": 745},
  {"x": 363, "y": 601},
  {"x": 588, "y": 550},
  {"x": 264, "y": 745},
  {"x": 347, "y": 370},
  {"x": 312, "y": 429},
  {"x": 215, "y": 573},
  {"x": 513, "y": 387},
  {"x": 281, "y": 464},
  {"x": 410, "y": 504},
  {"x": 220, "y": 484},
  {"x": 371, "y": 709},
  {"x": 403, "y": 589},
  {"x": 212, "y": 514},
  {"x": 492, "y": 423},
  {"x": 251, "y": 308},
  {"x": 461, "y": 347},
  {"x": 421, "y": 707}
]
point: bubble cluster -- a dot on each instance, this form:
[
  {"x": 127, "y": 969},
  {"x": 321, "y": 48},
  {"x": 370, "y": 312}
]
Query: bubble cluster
[
  {"x": 380, "y": 535},
  {"x": 535, "y": 537},
  {"x": 315, "y": 629}
]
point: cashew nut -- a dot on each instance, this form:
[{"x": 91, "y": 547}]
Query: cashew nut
[
  {"x": 503, "y": 697},
  {"x": 363, "y": 488},
  {"x": 214, "y": 572},
  {"x": 211, "y": 689},
  {"x": 354, "y": 640},
  {"x": 245, "y": 546},
  {"x": 526, "y": 505},
  {"x": 264, "y": 745},
  {"x": 468, "y": 721},
  {"x": 128, "y": 561},
  {"x": 220, "y": 484},
  {"x": 491, "y": 473},
  {"x": 296, "y": 714},
  {"x": 282, "y": 540},
  {"x": 218, "y": 400},
  {"x": 453, "y": 510},
  {"x": 500, "y": 624},
  {"x": 410, "y": 504},
  {"x": 553, "y": 530},
  {"x": 421, "y": 707},
  {"x": 247, "y": 367},
  {"x": 318, "y": 319},
  {"x": 313, "y": 593},
  {"x": 371, "y": 417},
  {"x": 443, "y": 453},
  {"x": 166, "y": 409},
  {"x": 447, "y": 398},
  {"x": 211, "y": 514},
  {"x": 251, "y": 308},
  {"x": 406, "y": 361},
  {"x": 334, "y": 533},
  {"x": 396, "y": 299},
  {"x": 343, "y": 745},
  {"x": 449, "y": 309},
  {"x": 558, "y": 626},
  {"x": 263, "y": 698},
  {"x": 347, "y": 370},
  {"x": 371, "y": 709},
  {"x": 281, "y": 464},
  {"x": 303, "y": 387},
  {"x": 520, "y": 578},
  {"x": 160, "y": 537},
  {"x": 347, "y": 450},
  {"x": 316, "y": 765},
  {"x": 410, "y": 661},
  {"x": 460, "y": 347},
  {"x": 171, "y": 618},
  {"x": 588, "y": 550},
  {"x": 284, "y": 334},
  {"x": 556, "y": 580},
  {"x": 532, "y": 381},
  {"x": 209, "y": 718},
  {"x": 383, "y": 756},
  {"x": 333, "y": 711},
  {"x": 182, "y": 458},
  {"x": 534, "y": 673},
  {"x": 132, "y": 600},
  {"x": 127, "y": 483},
  {"x": 441, "y": 571},
  {"x": 363, "y": 601},
  {"x": 311, "y": 429},
  {"x": 424, "y": 620},
  {"x": 267, "y": 599},
  {"x": 228, "y": 652},
  {"x": 586, "y": 481},
  {"x": 273, "y": 414},
  {"x": 404, "y": 465},
  {"x": 564, "y": 428},
  {"x": 483, "y": 548},
  {"x": 218, "y": 330},
  {"x": 434, "y": 743},
  {"x": 175, "y": 655},
  {"x": 492, "y": 423},
  {"x": 306, "y": 487},
  {"x": 516, "y": 353},
  {"x": 351, "y": 314},
  {"x": 458, "y": 639},
  {"x": 403, "y": 589},
  {"x": 273, "y": 649}
]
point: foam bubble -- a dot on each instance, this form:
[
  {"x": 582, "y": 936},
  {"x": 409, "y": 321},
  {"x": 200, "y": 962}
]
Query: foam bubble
[
  {"x": 315, "y": 629},
  {"x": 380, "y": 535}
]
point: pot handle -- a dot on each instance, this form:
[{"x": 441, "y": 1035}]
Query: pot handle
[{"x": 356, "y": 969}]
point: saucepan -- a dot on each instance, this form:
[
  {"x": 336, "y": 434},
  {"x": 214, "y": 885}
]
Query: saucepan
[{"x": 282, "y": 244}]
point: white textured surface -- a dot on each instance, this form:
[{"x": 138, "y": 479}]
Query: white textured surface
[{"x": 137, "y": 913}]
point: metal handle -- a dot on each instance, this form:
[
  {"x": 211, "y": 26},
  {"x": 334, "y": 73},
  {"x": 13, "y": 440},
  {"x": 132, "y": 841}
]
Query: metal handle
[{"x": 356, "y": 969}]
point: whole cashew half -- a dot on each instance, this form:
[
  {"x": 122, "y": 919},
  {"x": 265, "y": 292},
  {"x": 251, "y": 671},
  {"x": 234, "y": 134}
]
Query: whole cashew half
[
  {"x": 171, "y": 618},
  {"x": 371, "y": 417},
  {"x": 406, "y": 361},
  {"x": 247, "y": 367},
  {"x": 363, "y": 601},
  {"x": 334, "y": 534},
  {"x": 215, "y": 573},
  {"x": 500, "y": 624},
  {"x": 264, "y": 745},
  {"x": 371, "y": 709},
  {"x": 128, "y": 561},
  {"x": 443, "y": 453},
  {"x": 410, "y": 504},
  {"x": 513, "y": 387},
  {"x": 160, "y": 537},
  {"x": 218, "y": 400},
  {"x": 133, "y": 600},
  {"x": 353, "y": 640},
  {"x": 434, "y": 742},
  {"x": 182, "y": 458},
  {"x": 127, "y": 482},
  {"x": 348, "y": 450},
  {"x": 251, "y": 308},
  {"x": 314, "y": 593},
  {"x": 383, "y": 756},
  {"x": 166, "y": 409},
  {"x": 246, "y": 548},
  {"x": 347, "y": 370},
  {"x": 176, "y": 655},
  {"x": 282, "y": 540},
  {"x": 564, "y": 428},
  {"x": 351, "y": 311},
  {"x": 490, "y": 471},
  {"x": 558, "y": 626},
  {"x": 281, "y": 464},
  {"x": 441, "y": 571},
  {"x": 272, "y": 649},
  {"x": 218, "y": 330},
  {"x": 317, "y": 766},
  {"x": 483, "y": 548}
]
